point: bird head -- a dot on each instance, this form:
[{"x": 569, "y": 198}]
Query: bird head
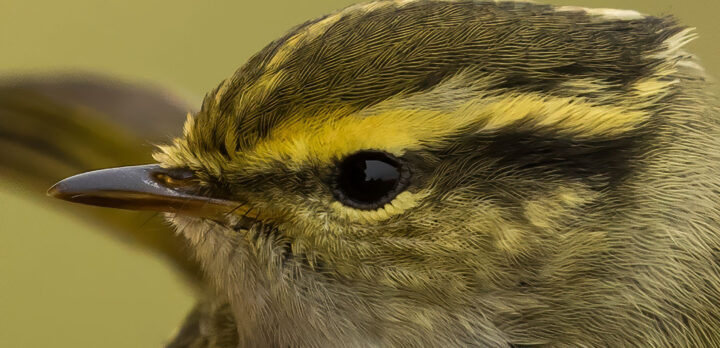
[{"x": 432, "y": 171}]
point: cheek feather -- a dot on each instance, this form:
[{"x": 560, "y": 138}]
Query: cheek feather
[{"x": 548, "y": 211}]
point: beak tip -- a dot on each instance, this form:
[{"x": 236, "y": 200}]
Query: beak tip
[{"x": 56, "y": 191}]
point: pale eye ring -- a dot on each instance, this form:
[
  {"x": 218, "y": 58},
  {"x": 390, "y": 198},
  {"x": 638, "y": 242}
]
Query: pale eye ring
[{"x": 369, "y": 179}]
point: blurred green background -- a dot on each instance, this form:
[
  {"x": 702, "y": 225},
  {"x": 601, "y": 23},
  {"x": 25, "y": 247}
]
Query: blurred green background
[{"x": 63, "y": 281}]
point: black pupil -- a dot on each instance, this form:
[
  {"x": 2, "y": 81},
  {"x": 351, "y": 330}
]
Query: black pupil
[{"x": 368, "y": 177}]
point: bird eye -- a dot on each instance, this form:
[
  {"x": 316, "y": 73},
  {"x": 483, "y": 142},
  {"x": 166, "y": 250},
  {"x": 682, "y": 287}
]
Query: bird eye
[{"x": 370, "y": 179}]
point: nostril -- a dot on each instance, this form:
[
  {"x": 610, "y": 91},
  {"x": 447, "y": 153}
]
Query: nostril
[
  {"x": 178, "y": 173},
  {"x": 175, "y": 177}
]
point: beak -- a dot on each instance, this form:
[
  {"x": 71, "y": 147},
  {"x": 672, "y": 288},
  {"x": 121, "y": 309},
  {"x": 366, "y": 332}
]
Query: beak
[{"x": 146, "y": 187}]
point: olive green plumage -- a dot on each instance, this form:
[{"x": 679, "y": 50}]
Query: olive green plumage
[
  {"x": 529, "y": 234},
  {"x": 358, "y": 57},
  {"x": 558, "y": 169}
]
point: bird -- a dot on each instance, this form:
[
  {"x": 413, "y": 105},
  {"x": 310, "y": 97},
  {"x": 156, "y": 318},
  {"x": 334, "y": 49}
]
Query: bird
[{"x": 427, "y": 173}]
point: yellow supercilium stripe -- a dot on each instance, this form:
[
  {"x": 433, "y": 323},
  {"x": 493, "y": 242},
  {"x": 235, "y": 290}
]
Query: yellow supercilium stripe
[{"x": 330, "y": 136}]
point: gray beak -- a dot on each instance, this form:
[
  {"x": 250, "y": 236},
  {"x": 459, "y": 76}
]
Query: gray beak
[{"x": 145, "y": 187}]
